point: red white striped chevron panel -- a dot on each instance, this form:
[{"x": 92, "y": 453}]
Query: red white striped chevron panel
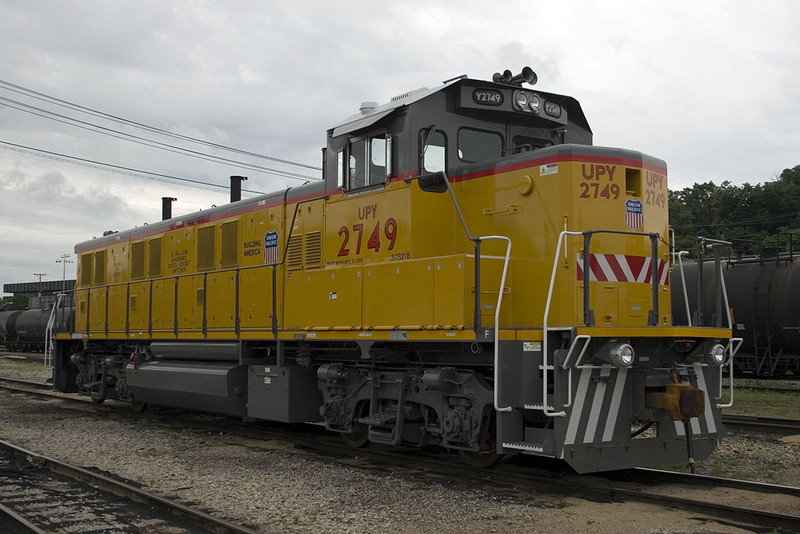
[{"x": 622, "y": 268}]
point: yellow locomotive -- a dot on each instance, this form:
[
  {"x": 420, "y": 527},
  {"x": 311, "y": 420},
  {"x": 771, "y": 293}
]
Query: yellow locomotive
[{"x": 470, "y": 273}]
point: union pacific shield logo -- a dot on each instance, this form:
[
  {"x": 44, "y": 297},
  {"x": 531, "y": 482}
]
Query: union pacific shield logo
[
  {"x": 271, "y": 248},
  {"x": 634, "y": 217}
]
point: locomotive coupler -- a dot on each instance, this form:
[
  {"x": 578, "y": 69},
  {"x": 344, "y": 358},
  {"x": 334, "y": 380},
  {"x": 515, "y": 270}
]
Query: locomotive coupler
[{"x": 680, "y": 401}]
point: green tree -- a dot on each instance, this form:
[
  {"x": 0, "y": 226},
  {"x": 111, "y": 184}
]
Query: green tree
[
  {"x": 748, "y": 215},
  {"x": 17, "y": 302}
]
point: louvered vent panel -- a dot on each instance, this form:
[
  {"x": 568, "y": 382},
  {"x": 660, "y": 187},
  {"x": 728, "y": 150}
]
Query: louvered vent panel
[
  {"x": 294, "y": 256},
  {"x": 313, "y": 250}
]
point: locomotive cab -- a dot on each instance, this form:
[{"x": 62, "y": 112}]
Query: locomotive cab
[{"x": 447, "y": 129}]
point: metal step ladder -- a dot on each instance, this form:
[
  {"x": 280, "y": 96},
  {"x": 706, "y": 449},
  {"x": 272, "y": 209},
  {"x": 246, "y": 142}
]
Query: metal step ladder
[{"x": 762, "y": 336}]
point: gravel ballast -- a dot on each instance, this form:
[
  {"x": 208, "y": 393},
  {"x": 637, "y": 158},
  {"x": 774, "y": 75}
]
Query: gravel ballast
[{"x": 272, "y": 487}]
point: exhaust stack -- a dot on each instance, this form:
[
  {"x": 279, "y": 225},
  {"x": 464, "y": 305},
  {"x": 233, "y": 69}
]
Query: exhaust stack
[
  {"x": 236, "y": 187},
  {"x": 166, "y": 207}
]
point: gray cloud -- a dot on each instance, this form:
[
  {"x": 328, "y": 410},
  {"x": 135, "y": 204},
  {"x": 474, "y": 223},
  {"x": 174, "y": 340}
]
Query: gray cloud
[{"x": 716, "y": 101}]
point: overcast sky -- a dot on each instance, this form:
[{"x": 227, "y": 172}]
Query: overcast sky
[{"x": 711, "y": 87}]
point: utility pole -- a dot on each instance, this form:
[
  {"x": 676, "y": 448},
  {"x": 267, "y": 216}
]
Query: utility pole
[
  {"x": 40, "y": 275},
  {"x": 64, "y": 261}
]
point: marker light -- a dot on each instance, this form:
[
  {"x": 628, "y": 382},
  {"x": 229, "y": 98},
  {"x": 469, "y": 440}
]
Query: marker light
[
  {"x": 521, "y": 99},
  {"x": 622, "y": 355},
  {"x": 716, "y": 355}
]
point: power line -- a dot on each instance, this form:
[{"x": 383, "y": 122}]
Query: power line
[
  {"x": 77, "y": 107},
  {"x": 119, "y": 169},
  {"x": 39, "y": 112},
  {"x": 781, "y": 217}
]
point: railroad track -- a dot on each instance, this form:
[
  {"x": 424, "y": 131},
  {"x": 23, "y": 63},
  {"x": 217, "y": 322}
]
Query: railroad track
[
  {"x": 723, "y": 499},
  {"x": 775, "y": 385},
  {"x": 40, "y": 494},
  {"x": 772, "y": 425}
]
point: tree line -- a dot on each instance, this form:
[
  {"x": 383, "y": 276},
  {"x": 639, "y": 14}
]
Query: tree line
[{"x": 753, "y": 217}]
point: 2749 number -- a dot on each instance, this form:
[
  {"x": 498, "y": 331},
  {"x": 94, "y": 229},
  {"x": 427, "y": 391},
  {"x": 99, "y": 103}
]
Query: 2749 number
[
  {"x": 374, "y": 241},
  {"x": 593, "y": 190}
]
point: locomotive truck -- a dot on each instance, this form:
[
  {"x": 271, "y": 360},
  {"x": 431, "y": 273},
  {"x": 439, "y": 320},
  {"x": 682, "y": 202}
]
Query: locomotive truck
[{"x": 470, "y": 273}]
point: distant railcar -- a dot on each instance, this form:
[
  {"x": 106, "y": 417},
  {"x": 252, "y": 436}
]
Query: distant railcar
[
  {"x": 26, "y": 331},
  {"x": 765, "y": 302},
  {"x": 7, "y": 318},
  {"x": 470, "y": 273}
]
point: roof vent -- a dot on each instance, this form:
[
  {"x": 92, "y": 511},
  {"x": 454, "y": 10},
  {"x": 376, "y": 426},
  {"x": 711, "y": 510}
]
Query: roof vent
[
  {"x": 366, "y": 107},
  {"x": 408, "y": 94}
]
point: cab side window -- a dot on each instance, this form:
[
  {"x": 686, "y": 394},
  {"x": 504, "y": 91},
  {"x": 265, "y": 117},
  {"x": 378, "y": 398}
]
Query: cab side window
[
  {"x": 378, "y": 156},
  {"x": 368, "y": 161},
  {"x": 356, "y": 172},
  {"x": 479, "y": 145},
  {"x": 433, "y": 151}
]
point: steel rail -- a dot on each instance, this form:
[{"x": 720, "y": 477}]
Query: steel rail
[
  {"x": 123, "y": 489},
  {"x": 776, "y": 425},
  {"x": 16, "y": 523},
  {"x": 514, "y": 474}
]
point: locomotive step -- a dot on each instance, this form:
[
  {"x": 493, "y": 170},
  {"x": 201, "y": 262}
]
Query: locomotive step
[
  {"x": 523, "y": 446},
  {"x": 381, "y": 418}
]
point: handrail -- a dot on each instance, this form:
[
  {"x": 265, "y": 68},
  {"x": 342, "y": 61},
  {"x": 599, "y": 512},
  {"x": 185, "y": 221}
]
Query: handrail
[
  {"x": 561, "y": 239},
  {"x": 724, "y": 291},
  {"x": 588, "y": 321},
  {"x": 497, "y": 321},
  {"x": 577, "y": 363},
  {"x": 680, "y": 255},
  {"x": 713, "y": 244},
  {"x": 477, "y": 312},
  {"x": 48, "y": 332},
  {"x": 588, "y": 318},
  {"x": 731, "y": 349}
]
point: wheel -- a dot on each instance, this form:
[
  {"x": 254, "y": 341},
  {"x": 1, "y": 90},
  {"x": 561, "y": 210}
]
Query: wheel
[
  {"x": 96, "y": 396},
  {"x": 360, "y": 437},
  {"x": 481, "y": 460},
  {"x": 485, "y": 459}
]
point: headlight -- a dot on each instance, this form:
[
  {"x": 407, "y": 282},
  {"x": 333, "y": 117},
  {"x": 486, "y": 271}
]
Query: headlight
[
  {"x": 526, "y": 101},
  {"x": 716, "y": 355},
  {"x": 622, "y": 355}
]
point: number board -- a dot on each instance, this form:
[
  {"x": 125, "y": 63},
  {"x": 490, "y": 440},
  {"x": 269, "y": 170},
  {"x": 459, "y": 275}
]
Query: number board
[
  {"x": 487, "y": 97},
  {"x": 552, "y": 109}
]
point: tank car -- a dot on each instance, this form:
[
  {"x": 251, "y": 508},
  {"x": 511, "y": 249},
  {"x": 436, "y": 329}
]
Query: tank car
[
  {"x": 7, "y": 318},
  {"x": 764, "y": 295},
  {"x": 26, "y": 331},
  {"x": 471, "y": 273}
]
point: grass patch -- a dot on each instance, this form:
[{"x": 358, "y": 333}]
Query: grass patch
[{"x": 764, "y": 403}]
